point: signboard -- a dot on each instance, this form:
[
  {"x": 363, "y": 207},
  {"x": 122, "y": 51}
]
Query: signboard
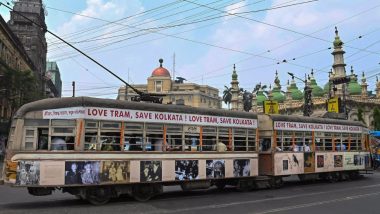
[
  {"x": 333, "y": 105},
  {"x": 130, "y": 115},
  {"x": 270, "y": 107},
  {"x": 319, "y": 127}
]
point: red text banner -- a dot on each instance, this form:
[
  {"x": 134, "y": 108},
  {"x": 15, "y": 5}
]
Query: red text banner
[
  {"x": 298, "y": 126},
  {"x": 95, "y": 113}
]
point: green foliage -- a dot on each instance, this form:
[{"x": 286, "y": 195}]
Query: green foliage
[
  {"x": 21, "y": 87},
  {"x": 360, "y": 115},
  {"x": 376, "y": 118}
]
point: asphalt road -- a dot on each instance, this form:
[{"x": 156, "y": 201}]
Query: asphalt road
[{"x": 359, "y": 196}]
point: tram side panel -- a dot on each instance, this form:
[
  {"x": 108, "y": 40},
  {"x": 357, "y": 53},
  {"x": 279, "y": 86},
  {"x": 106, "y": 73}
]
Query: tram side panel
[{"x": 72, "y": 172}]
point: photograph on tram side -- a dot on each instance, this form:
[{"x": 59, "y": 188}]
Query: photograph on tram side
[
  {"x": 338, "y": 160},
  {"x": 320, "y": 161},
  {"x": 186, "y": 169},
  {"x": 309, "y": 164},
  {"x": 28, "y": 173},
  {"x": 82, "y": 172},
  {"x": 358, "y": 160},
  {"x": 115, "y": 172},
  {"x": 242, "y": 167},
  {"x": 215, "y": 169},
  {"x": 150, "y": 171}
]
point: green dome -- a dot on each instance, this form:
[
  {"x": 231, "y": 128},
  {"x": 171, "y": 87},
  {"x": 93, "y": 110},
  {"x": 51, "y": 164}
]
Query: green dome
[
  {"x": 317, "y": 91},
  {"x": 277, "y": 95},
  {"x": 353, "y": 86},
  {"x": 260, "y": 97},
  {"x": 296, "y": 93}
]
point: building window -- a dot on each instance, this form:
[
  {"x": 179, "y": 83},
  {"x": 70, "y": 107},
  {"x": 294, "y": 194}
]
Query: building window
[{"x": 158, "y": 86}]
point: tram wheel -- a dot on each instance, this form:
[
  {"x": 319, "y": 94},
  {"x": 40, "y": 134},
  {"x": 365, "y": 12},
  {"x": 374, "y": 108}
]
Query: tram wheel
[
  {"x": 276, "y": 182},
  {"x": 98, "y": 196},
  {"x": 143, "y": 192},
  {"x": 220, "y": 185}
]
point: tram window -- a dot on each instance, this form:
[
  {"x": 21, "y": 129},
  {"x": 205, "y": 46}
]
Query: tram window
[
  {"x": 42, "y": 139},
  {"x": 224, "y": 137},
  {"x": 91, "y": 124},
  {"x": 191, "y": 142},
  {"x": 338, "y": 142},
  {"x": 29, "y": 139},
  {"x": 319, "y": 141},
  {"x": 174, "y": 137},
  {"x": 36, "y": 122},
  {"x": 354, "y": 142},
  {"x": 328, "y": 141},
  {"x": 251, "y": 140},
  {"x": 133, "y": 136},
  {"x": 287, "y": 141},
  {"x": 110, "y": 141},
  {"x": 63, "y": 130},
  {"x": 279, "y": 141},
  {"x": 110, "y": 125},
  {"x": 154, "y": 137},
  {"x": 63, "y": 122},
  {"x": 265, "y": 144},
  {"x": 298, "y": 141},
  {"x": 345, "y": 138},
  {"x": 208, "y": 138},
  {"x": 240, "y": 140},
  {"x": 308, "y": 142},
  {"x": 62, "y": 143},
  {"x": 90, "y": 139}
]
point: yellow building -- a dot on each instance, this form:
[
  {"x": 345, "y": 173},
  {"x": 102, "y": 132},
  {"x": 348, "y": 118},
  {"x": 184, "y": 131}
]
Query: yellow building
[{"x": 176, "y": 91}]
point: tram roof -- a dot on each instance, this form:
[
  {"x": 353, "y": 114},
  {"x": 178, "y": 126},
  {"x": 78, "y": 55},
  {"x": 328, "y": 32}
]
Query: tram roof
[
  {"x": 67, "y": 102},
  {"x": 292, "y": 118}
]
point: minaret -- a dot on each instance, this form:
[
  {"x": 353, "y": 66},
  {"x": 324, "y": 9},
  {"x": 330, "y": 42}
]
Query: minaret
[
  {"x": 235, "y": 91},
  {"x": 364, "y": 87},
  {"x": 338, "y": 65},
  {"x": 377, "y": 88}
]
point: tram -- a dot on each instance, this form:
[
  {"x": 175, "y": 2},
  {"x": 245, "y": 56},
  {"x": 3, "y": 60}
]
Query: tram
[{"x": 97, "y": 149}]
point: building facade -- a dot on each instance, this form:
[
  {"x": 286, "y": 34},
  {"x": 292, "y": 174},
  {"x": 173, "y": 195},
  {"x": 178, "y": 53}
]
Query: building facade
[
  {"x": 53, "y": 76},
  {"x": 13, "y": 58},
  {"x": 358, "y": 100},
  {"x": 31, "y": 36},
  {"x": 175, "y": 91}
]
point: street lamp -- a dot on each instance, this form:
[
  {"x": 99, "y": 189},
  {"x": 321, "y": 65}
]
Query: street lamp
[{"x": 308, "y": 105}]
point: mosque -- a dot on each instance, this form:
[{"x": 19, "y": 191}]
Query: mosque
[{"x": 291, "y": 100}]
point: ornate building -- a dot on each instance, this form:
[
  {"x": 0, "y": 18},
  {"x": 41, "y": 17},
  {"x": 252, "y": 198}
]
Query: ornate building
[
  {"x": 13, "y": 58},
  {"x": 358, "y": 99},
  {"x": 176, "y": 91},
  {"x": 31, "y": 36},
  {"x": 54, "y": 77}
]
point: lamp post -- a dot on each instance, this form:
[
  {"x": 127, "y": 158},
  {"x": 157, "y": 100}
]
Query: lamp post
[{"x": 308, "y": 101}]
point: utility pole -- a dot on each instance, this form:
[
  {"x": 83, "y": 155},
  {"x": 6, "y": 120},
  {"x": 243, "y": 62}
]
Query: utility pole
[
  {"x": 308, "y": 101},
  {"x": 73, "y": 84}
]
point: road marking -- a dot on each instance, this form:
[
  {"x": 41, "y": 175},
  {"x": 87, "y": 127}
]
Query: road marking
[{"x": 317, "y": 203}]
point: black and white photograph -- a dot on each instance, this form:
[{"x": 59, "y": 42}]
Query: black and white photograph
[
  {"x": 186, "y": 170},
  {"x": 242, "y": 167},
  {"x": 82, "y": 172},
  {"x": 28, "y": 173},
  {"x": 285, "y": 165},
  {"x": 150, "y": 171},
  {"x": 215, "y": 168},
  {"x": 358, "y": 160},
  {"x": 115, "y": 172}
]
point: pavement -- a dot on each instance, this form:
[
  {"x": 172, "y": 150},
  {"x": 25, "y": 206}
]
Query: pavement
[{"x": 358, "y": 196}]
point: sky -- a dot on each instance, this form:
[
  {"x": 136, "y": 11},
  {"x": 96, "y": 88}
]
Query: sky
[{"x": 207, "y": 38}]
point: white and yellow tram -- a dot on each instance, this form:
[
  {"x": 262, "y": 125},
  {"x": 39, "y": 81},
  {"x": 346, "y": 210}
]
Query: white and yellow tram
[{"x": 100, "y": 148}]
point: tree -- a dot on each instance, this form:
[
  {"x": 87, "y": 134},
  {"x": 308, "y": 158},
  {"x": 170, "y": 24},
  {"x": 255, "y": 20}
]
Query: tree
[
  {"x": 360, "y": 115},
  {"x": 227, "y": 96},
  {"x": 376, "y": 119}
]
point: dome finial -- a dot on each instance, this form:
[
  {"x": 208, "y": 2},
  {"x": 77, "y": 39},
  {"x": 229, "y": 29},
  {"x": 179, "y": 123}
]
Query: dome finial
[
  {"x": 160, "y": 61},
  {"x": 234, "y": 74},
  {"x": 336, "y": 31},
  {"x": 312, "y": 72}
]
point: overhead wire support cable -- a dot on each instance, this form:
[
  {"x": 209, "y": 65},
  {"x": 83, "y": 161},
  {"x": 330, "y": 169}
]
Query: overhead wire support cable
[{"x": 143, "y": 96}]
